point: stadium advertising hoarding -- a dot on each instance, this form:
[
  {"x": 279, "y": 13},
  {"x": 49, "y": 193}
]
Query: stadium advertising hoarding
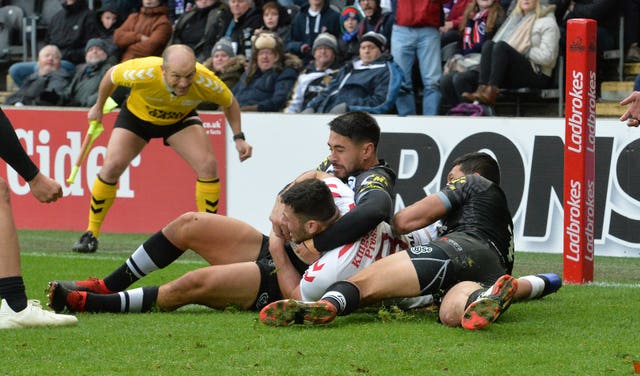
[
  {"x": 157, "y": 186},
  {"x": 530, "y": 152}
]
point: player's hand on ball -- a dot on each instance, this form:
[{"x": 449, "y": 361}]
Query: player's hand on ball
[{"x": 307, "y": 252}]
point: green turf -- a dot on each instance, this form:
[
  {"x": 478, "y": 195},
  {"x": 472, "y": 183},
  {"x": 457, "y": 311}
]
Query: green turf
[{"x": 581, "y": 330}]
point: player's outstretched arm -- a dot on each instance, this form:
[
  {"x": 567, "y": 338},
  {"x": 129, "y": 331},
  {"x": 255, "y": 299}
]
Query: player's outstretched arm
[
  {"x": 418, "y": 215},
  {"x": 232, "y": 113}
]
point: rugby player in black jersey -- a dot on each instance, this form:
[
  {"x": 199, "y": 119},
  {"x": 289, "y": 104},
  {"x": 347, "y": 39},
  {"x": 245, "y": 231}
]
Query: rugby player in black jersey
[{"x": 475, "y": 245}]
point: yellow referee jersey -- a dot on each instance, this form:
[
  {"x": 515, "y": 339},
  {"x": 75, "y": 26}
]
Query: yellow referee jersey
[{"x": 151, "y": 99}]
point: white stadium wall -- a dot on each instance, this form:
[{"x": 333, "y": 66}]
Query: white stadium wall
[{"x": 529, "y": 151}]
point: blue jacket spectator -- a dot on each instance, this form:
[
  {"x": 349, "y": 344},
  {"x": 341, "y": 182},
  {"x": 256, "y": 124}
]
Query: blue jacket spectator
[
  {"x": 312, "y": 19},
  {"x": 267, "y": 84},
  {"x": 370, "y": 84}
]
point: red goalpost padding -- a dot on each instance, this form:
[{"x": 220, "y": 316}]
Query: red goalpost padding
[{"x": 579, "y": 152}]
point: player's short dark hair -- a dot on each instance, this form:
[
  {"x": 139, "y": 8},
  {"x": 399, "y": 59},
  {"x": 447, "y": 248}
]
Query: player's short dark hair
[
  {"x": 359, "y": 126},
  {"x": 310, "y": 198},
  {"x": 481, "y": 163}
]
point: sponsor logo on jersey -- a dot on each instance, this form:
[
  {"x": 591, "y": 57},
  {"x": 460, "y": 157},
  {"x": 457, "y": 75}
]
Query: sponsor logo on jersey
[
  {"x": 367, "y": 248},
  {"x": 420, "y": 249},
  {"x": 161, "y": 114},
  {"x": 454, "y": 244}
]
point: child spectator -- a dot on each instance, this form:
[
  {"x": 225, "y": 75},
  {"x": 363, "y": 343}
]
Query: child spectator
[
  {"x": 276, "y": 20},
  {"x": 348, "y": 44},
  {"x": 108, "y": 22}
]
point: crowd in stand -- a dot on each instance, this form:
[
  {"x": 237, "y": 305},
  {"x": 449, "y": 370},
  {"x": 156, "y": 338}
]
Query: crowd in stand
[{"x": 322, "y": 56}]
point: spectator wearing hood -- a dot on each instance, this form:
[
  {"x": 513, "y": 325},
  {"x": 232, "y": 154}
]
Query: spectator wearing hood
[
  {"x": 267, "y": 83},
  {"x": 369, "y": 84},
  {"x": 276, "y": 20},
  {"x": 108, "y": 20},
  {"x": 201, "y": 26},
  {"x": 145, "y": 33}
]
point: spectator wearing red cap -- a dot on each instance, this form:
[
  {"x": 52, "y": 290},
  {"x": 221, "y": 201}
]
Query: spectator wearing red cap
[{"x": 348, "y": 44}]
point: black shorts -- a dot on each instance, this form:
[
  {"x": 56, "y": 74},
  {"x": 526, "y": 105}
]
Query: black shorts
[
  {"x": 147, "y": 130},
  {"x": 453, "y": 258},
  {"x": 269, "y": 289}
]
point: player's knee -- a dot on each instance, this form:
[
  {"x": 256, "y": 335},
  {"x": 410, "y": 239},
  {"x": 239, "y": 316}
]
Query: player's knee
[{"x": 180, "y": 228}]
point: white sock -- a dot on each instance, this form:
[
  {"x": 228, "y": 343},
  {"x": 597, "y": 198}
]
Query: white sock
[{"x": 537, "y": 285}]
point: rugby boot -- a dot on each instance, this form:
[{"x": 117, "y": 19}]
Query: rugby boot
[
  {"x": 61, "y": 299},
  {"x": 490, "y": 304},
  {"x": 32, "y": 316},
  {"x": 290, "y": 311},
  {"x": 91, "y": 284},
  {"x": 86, "y": 244}
]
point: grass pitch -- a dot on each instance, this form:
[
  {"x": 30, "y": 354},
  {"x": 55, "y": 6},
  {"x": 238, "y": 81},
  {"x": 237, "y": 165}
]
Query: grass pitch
[{"x": 581, "y": 330}]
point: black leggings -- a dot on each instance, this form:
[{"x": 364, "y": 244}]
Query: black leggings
[{"x": 502, "y": 66}]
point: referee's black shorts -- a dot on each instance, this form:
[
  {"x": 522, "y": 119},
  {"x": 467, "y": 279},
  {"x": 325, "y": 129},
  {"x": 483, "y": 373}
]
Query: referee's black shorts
[{"x": 147, "y": 130}]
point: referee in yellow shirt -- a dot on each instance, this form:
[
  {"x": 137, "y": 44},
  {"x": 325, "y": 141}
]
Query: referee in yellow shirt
[{"x": 164, "y": 95}]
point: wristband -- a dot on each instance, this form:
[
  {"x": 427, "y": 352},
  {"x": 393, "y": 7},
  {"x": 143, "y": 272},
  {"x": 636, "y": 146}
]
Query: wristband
[{"x": 238, "y": 136}]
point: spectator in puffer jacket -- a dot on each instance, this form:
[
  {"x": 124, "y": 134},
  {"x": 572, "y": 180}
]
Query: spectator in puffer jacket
[
  {"x": 145, "y": 33},
  {"x": 370, "y": 84},
  {"x": 268, "y": 81}
]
